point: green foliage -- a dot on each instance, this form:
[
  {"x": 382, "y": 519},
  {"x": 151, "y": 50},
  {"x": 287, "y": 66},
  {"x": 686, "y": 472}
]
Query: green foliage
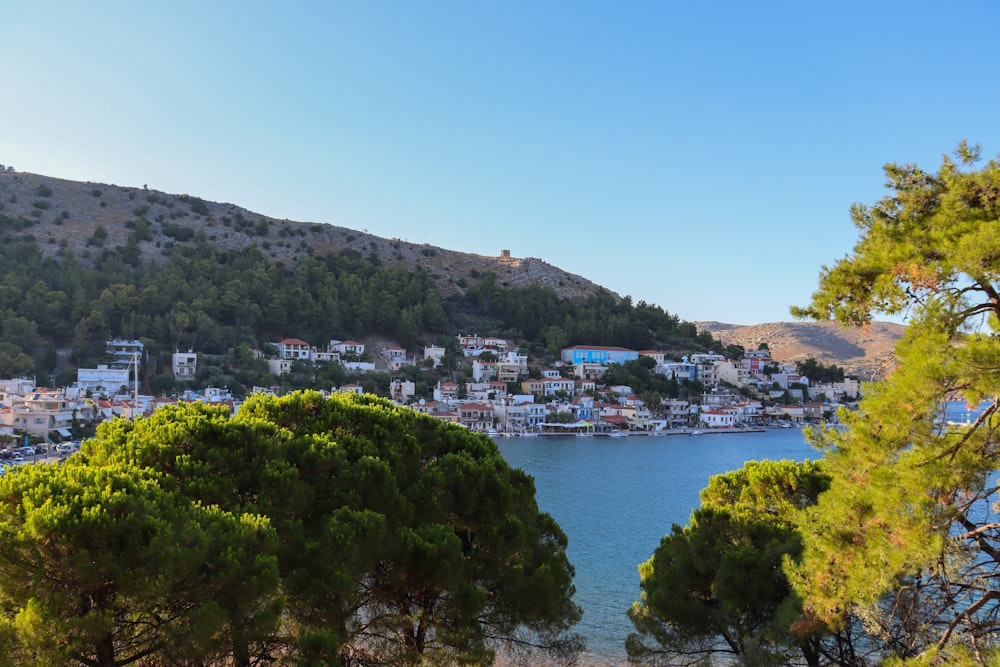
[
  {"x": 716, "y": 585},
  {"x": 905, "y": 532},
  {"x": 817, "y": 371},
  {"x": 99, "y": 236},
  {"x": 198, "y": 206},
  {"x": 399, "y": 538},
  {"x": 103, "y": 566}
]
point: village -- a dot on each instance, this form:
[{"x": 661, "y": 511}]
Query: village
[{"x": 503, "y": 395}]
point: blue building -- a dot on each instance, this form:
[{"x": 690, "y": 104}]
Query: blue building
[{"x": 598, "y": 354}]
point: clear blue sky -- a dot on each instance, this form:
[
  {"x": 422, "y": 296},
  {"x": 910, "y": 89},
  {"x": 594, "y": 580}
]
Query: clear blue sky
[{"x": 699, "y": 156}]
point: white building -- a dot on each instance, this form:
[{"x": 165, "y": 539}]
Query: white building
[
  {"x": 104, "y": 379},
  {"x": 184, "y": 365}
]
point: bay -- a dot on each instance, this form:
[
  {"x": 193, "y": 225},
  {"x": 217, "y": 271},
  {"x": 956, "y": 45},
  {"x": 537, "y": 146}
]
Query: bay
[{"x": 617, "y": 497}]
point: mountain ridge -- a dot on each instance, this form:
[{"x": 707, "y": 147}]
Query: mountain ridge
[
  {"x": 67, "y": 213},
  {"x": 865, "y": 352}
]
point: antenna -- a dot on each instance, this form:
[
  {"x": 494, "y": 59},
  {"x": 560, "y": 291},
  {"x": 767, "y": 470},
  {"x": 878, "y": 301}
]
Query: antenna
[{"x": 135, "y": 383}]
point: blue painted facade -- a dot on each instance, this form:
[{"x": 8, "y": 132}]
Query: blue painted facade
[{"x": 583, "y": 354}]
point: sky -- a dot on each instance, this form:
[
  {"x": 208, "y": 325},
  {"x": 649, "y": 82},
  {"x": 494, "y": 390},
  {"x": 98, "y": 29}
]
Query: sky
[{"x": 702, "y": 157}]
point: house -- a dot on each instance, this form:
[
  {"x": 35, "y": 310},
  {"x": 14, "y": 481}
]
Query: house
[
  {"x": 483, "y": 370},
  {"x": 552, "y": 386},
  {"x": 294, "y": 349},
  {"x": 589, "y": 371},
  {"x": 402, "y": 391},
  {"x": 122, "y": 353},
  {"x": 520, "y": 417},
  {"x": 732, "y": 372},
  {"x": 435, "y": 353},
  {"x": 583, "y": 407},
  {"x": 469, "y": 342},
  {"x": 789, "y": 377},
  {"x": 813, "y": 411},
  {"x": 655, "y": 355},
  {"x": 682, "y": 371},
  {"x": 494, "y": 344},
  {"x": 534, "y": 387},
  {"x": 325, "y": 356},
  {"x": 476, "y": 416},
  {"x": 41, "y": 413},
  {"x": 104, "y": 379},
  {"x": 395, "y": 357},
  {"x": 446, "y": 391},
  {"x": 598, "y": 354},
  {"x": 279, "y": 366},
  {"x": 481, "y": 391},
  {"x": 676, "y": 411},
  {"x": 346, "y": 347},
  {"x": 184, "y": 365},
  {"x": 718, "y": 418},
  {"x": 217, "y": 395},
  {"x": 430, "y": 407},
  {"x": 793, "y": 413},
  {"x": 355, "y": 389}
]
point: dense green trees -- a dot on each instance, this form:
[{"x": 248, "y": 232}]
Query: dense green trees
[
  {"x": 330, "y": 530},
  {"x": 103, "y": 566},
  {"x": 907, "y": 534},
  {"x": 716, "y": 585}
]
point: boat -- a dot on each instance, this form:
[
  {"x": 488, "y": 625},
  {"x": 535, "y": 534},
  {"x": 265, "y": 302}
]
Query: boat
[
  {"x": 618, "y": 434},
  {"x": 697, "y": 432}
]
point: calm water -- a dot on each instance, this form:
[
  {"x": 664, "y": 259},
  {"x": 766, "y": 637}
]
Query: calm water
[{"x": 617, "y": 497}]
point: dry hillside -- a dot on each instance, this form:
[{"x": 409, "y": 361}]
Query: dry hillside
[
  {"x": 864, "y": 352},
  {"x": 67, "y": 214}
]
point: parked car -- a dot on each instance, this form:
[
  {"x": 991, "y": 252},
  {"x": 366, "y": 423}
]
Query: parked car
[
  {"x": 18, "y": 461},
  {"x": 65, "y": 449}
]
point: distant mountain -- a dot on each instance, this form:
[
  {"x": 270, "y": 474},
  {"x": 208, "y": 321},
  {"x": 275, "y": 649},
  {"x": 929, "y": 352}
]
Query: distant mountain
[
  {"x": 67, "y": 214},
  {"x": 866, "y": 353}
]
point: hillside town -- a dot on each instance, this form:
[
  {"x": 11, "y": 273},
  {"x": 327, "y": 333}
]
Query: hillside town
[{"x": 503, "y": 394}]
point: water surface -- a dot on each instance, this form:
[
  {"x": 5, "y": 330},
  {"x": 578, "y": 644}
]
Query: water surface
[{"x": 617, "y": 497}]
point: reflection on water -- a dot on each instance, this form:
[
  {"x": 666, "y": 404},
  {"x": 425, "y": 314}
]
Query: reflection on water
[{"x": 615, "y": 499}]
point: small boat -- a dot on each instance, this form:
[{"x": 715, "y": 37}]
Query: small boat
[
  {"x": 697, "y": 432},
  {"x": 618, "y": 434}
]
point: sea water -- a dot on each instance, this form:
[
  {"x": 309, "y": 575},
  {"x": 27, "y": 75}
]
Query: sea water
[{"x": 617, "y": 497}]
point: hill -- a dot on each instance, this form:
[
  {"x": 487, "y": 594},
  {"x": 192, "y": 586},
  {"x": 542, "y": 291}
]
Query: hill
[
  {"x": 866, "y": 353},
  {"x": 68, "y": 214}
]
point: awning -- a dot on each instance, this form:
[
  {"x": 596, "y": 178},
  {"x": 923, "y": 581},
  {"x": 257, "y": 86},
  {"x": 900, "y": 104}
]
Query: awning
[{"x": 64, "y": 432}]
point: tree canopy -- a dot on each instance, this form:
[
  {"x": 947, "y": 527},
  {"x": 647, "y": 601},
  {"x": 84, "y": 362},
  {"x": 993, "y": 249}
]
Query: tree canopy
[
  {"x": 907, "y": 535},
  {"x": 716, "y": 585},
  {"x": 382, "y": 537}
]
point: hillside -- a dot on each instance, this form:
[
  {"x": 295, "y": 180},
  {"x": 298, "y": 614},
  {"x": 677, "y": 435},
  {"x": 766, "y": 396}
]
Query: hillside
[
  {"x": 863, "y": 352},
  {"x": 66, "y": 214},
  {"x": 142, "y": 226}
]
